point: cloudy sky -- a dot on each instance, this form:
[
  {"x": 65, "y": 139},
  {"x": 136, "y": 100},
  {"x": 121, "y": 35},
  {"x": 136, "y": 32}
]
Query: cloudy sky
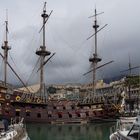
[{"x": 66, "y": 34}]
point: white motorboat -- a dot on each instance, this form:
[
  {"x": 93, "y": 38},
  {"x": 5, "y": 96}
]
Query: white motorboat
[
  {"x": 16, "y": 131},
  {"x": 128, "y": 128}
]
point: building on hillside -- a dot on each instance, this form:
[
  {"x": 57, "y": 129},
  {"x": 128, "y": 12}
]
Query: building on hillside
[
  {"x": 77, "y": 91},
  {"x": 33, "y": 88}
]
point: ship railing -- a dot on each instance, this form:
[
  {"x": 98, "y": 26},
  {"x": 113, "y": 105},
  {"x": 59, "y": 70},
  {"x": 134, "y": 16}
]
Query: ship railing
[
  {"x": 92, "y": 100},
  {"x": 33, "y": 98},
  {"x": 9, "y": 86},
  {"x": 2, "y": 83}
]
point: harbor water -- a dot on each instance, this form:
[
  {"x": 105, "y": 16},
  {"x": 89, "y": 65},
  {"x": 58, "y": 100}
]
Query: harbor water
[{"x": 70, "y": 132}]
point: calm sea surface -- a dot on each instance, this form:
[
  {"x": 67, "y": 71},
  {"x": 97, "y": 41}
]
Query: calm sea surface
[{"x": 69, "y": 132}]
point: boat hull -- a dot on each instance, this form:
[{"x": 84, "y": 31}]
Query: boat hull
[{"x": 54, "y": 111}]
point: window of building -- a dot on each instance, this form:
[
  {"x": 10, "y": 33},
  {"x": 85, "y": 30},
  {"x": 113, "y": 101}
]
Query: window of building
[
  {"x": 18, "y": 113},
  {"x": 33, "y": 106},
  {"x": 6, "y": 111},
  {"x": 72, "y": 107},
  {"x": 28, "y": 114},
  {"x": 59, "y": 115},
  {"x": 49, "y": 115},
  {"x": 43, "y": 107},
  {"x": 38, "y": 115},
  {"x": 70, "y": 115},
  {"x": 54, "y": 107},
  {"x": 87, "y": 113},
  {"x": 81, "y": 107},
  {"x": 78, "y": 115},
  {"x": 94, "y": 112}
]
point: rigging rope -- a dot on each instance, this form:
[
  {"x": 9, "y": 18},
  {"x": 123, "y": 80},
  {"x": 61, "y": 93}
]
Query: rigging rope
[
  {"x": 1, "y": 68},
  {"x": 13, "y": 62},
  {"x": 33, "y": 70},
  {"x": 74, "y": 48},
  {"x": 15, "y": 73}
]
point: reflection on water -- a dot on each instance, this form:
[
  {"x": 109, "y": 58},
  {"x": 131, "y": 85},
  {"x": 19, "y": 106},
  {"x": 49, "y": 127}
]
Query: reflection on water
[{"x": 69, "y": 132}]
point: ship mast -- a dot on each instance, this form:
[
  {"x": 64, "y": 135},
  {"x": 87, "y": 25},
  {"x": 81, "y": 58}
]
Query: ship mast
[
  {"x": 5, "y": 48},
  {"x": 128, "y": 80},
  {"x": 95, "y": 59},
  {"x": 42, "y": 52}
]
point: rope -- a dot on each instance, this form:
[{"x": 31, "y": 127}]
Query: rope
[
  {"x": 14, "y": 62},
  {"x": 33, "y": 70},
  {"x": 74, "y": 48},
  {"x": 1, "y": 67}
]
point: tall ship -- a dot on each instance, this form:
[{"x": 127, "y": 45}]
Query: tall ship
[{"x": 38, "y": 108}]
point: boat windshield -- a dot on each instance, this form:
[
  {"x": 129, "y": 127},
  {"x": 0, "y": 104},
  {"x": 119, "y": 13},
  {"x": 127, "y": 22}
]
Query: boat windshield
[
  {"x": 135, "y": 132},
  {"x": 124, "y": 125}
]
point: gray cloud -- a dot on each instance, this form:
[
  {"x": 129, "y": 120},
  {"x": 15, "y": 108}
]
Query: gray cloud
[{"x": 67, "y": 30}]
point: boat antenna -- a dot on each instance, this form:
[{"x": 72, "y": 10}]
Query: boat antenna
[
  {"x": 6, "y": 48},
  {"x": 42, "y": 51}
]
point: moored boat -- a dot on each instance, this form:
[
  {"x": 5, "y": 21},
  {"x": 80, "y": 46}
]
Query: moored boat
[
  {"x": 15, "y": 131},
  {"x": 127, "y": 128},
  {"x": 38, "y": 108}
]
